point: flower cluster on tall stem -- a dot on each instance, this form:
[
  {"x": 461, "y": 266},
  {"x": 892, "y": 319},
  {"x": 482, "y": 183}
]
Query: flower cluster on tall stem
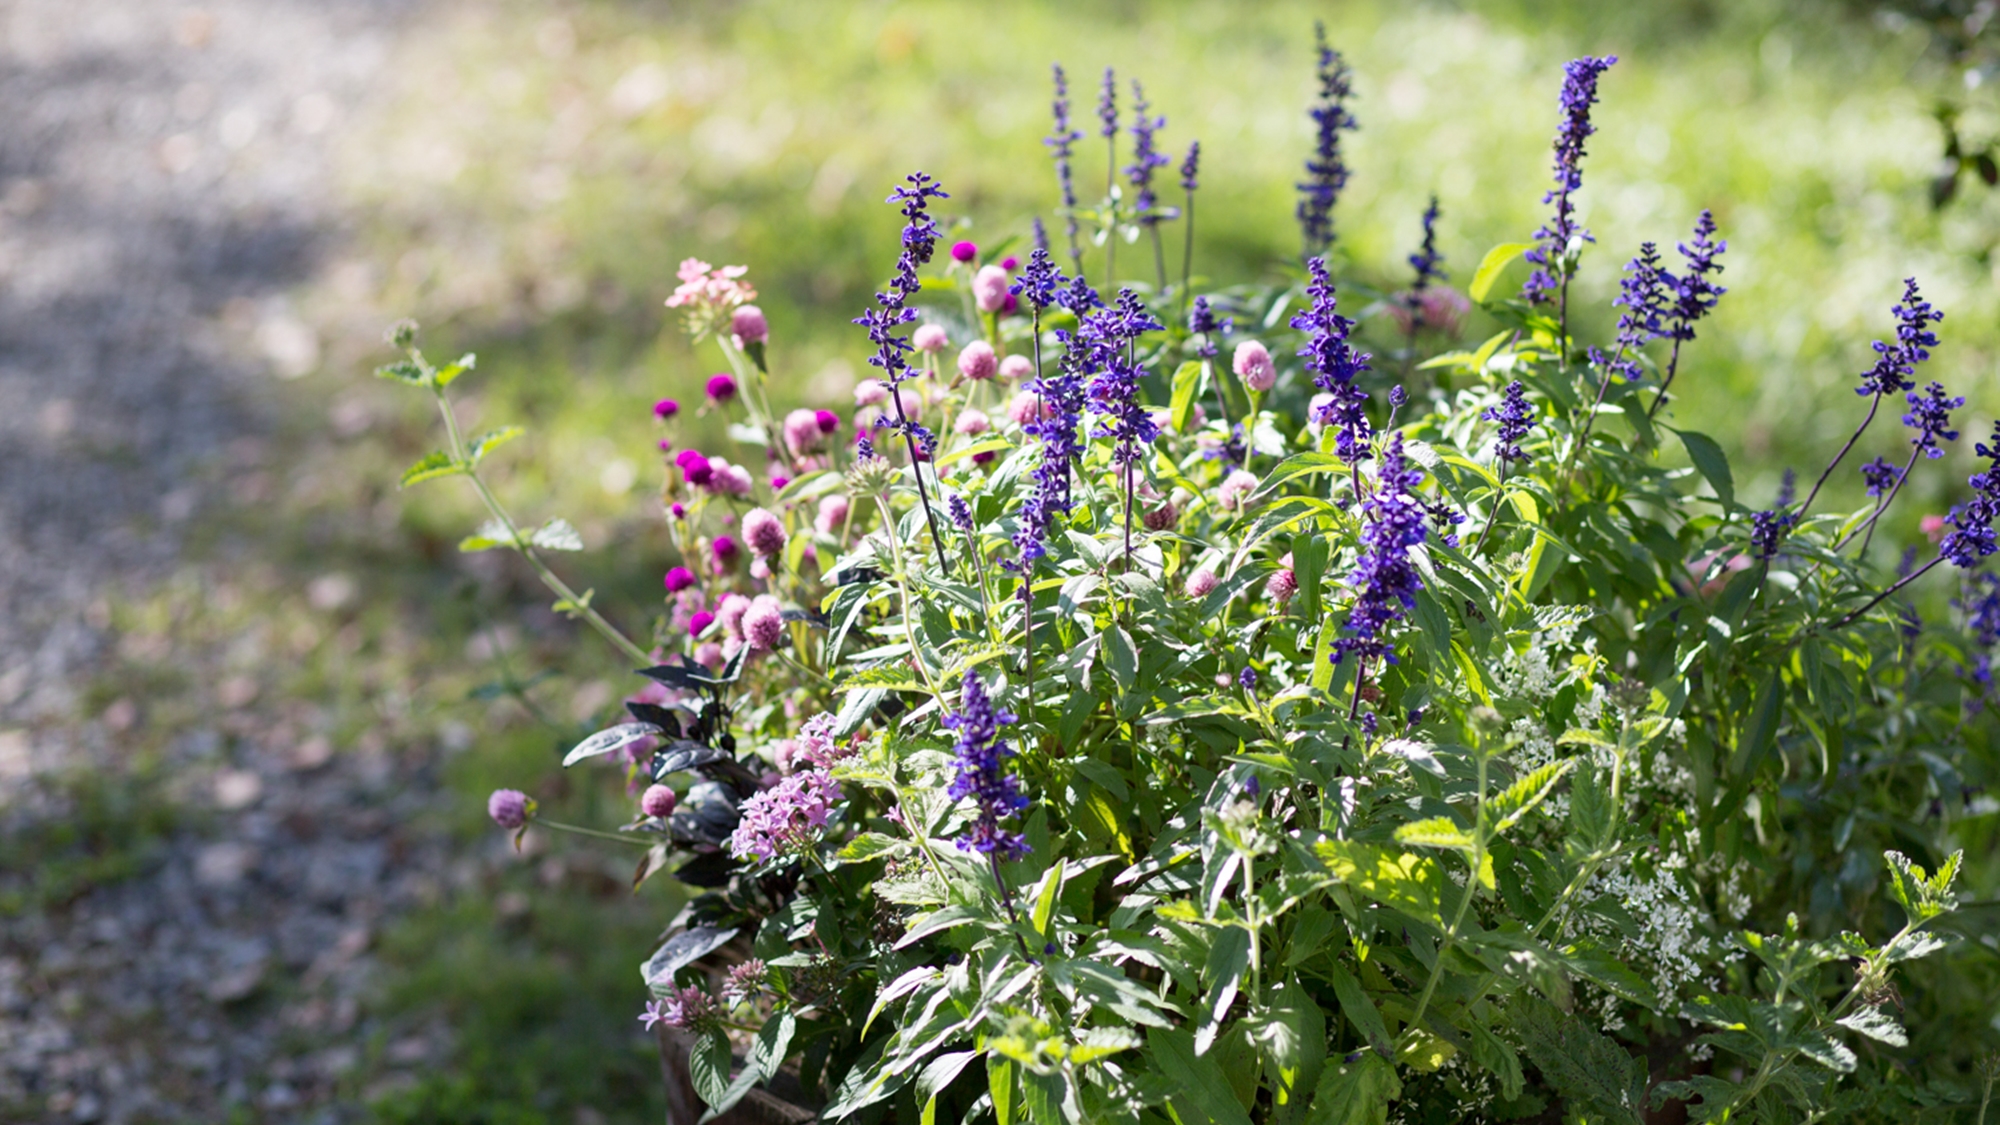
[
  {"x": 1930, "y": 416},
  {"x": 1554, "y": 239},
  {"x": 1971, "y": 538},
  {"x": 1335, "y": 365},
  {"x": 1385, "y": 575},
  {"x": 1894, "y": 370},
  {"x": 1060, "y": 142},
  {"x": 1107, "y": 338},
  {"x": 1147, "y": 159},
  {"x": 920, "y": 236},
  {"x": 985, "y": 773},
  {"x": 1190, "y": 181},
  {"x": 1692, "y": 294},
  {"x": 1326, "y": 170}
]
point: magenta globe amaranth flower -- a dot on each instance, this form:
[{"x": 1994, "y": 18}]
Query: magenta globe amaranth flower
[
  {"x": 724, "y": 550},
  {"x": 764, "y": 532},
  {"x": 721, "y": 386},
  {"x": 665, "y": 409},
  {"x": 694, "y": 466},
  {"x": 699, "y": 622},
  {"x": 977, "y": 361},
  {"x": 802, "y": 432},
  {"x": 1252, "y": 363},
  {"x": 658, "y": 801},
  {"x": 964, "y": 251},
  {"x": 748, "y": 325},
  {"x": 826, "y": 420},
  {"x": 678, "y": 579},
  {"x": 509, "y": 808}
]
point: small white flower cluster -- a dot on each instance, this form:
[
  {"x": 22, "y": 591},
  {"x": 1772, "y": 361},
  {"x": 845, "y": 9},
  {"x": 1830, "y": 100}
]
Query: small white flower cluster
[{"x": 1673, "y": 928}]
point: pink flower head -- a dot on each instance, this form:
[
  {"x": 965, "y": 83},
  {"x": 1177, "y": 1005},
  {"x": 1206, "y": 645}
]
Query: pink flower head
[
  {"x": 1163, "y": 517},
  {"x": 695, "y": 467},
  {"x": 724, "y": 549},
  {"x": 699, "y": 622},
  {"x": 1253, "y": 365},
  {"x": 708, "y": 655},
  {"x": 832, "y": 514},
  {"x": 802, "y": 431},
  {"x": 1932, "y": 526},
  {"x": 779, "y": 481},
  {"x": 871, "y": 392},
  {"x": 1284, "y": 584},
  {"x": 1010, "y": 305},
  {"x": 977, "y": 361},
  {"x": 704, "y": 285},
  {"x": 722, "y": 386},
  {"x": 509, "y": 808},
  {"x": 659, "y": 801},
  {"x": 763, "y": 623},
  {"x": 732, "y": 480},
  {"x": 1200, "y": 583},
  {"x": 972, "y": 422},
  {"x": 929, "y": 338},
  {"x": 1016, "y": 367},
  {"x": 989, "y": 288},
  {"x": 678, "y": 579},
  {"x": 826, "y": 420},
  {"x": 911, "y": 401},
  {"x": 786, "y": 818},
  {"x": 1436, "y": 306},
  {"x": 964, "y": 251},
  {"x": 748, "y": 325},
  {"x": 1010, "y": 263},
  {"x": 764, "y": 532},
  {"x": 665, "y": 409},
  {"x": 1235, "y": 489},
  {"x": 684, "y": 1010},
  {"x": 1315, "y": 410},
  {"x": 730, "y": 613},
  {"x": 1026, "y": 407},
  {"x": 678, "y": 509}
]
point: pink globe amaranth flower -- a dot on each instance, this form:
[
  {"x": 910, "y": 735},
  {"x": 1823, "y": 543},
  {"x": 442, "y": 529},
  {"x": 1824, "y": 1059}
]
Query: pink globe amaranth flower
[
  {"x": 678, "y": 509},
  {"x": 723, "y": 549},
  {"x": 760, "y": 567},
  {"x": 802, "y": 431},
  {"x": 1316, "y": 409},
  {"x": 973, "y": 421},
  {"x": 1010, "y": 305},
  {"x": 730, "y": 613},
  {"x": 826, "y": 420},
  {"x": 722, "y": 386},
  {"x": 709, "y": 655},
  {"x": 989, "y": 288},
  {"x": 911, "y": 400},
  {"x": 659, "y": 801},
  {"x": 778, "y": 482},
  {"x": 665, "y": 409},
  {"x": 699, "y": 622},
  {"x": 929, "y": 338},
  {"x": 764, "y": 532},
  {"x": 1284, "y": 584},
  {"x": 977, "y": 361},
  {"x": 1163, "y": 517},
  {"x": 1200, "y": 583},
  {"x": 694, "y": 466},
  {"x": 733, "y": 480},
  {"x": 1010, "y": 263},
  {"x": 984, "y": 456},
  {"x": 832, "y": 514},
  {"x": 1235, "y": 489},
  {"x": 1026, "y": 407},
  {"x": 1253, "y": 365},
  {"x": 964, "y": 251},
  {"x": 509, "y": 808},
  {"x": 1437, "y": 306},
  {"x": 678, "y": 579},
  {"x": 764, "y": 623},
  {"x": 1016, "y": 367},
  {"x": 871, "y": 392},
  {"x": 748, "y": 325}
]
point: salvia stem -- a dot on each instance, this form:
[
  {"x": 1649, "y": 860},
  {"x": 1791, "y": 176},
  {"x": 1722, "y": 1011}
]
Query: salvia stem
[
  {"x": 1874, "y": 404},
  {"x": 1884, "y": 595}
]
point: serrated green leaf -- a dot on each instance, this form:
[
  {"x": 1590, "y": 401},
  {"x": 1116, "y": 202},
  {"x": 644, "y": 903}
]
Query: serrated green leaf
[
  {"x": 486, "y": 443},
  {"x": 434, "y": 465},
  {"x": 1521, "y": 798},
  {"x": 870, "y": 845},
  {"x": 451, "y": 371},
  {"x": 402, "y": 371},
  {"x": 557, "y": 535},
  {"x": 491, "y": 534},
  {"x": 1356, "y": 1093},
  {"x": 1435, "y": 832},
  {"x": 1878, "y": 1025}
]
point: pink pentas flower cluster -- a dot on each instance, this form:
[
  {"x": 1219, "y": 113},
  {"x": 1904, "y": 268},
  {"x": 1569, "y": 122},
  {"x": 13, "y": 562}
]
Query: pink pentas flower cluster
[
  {"x": 706, "y": 288},
  {"x": 786, "y": 818}
]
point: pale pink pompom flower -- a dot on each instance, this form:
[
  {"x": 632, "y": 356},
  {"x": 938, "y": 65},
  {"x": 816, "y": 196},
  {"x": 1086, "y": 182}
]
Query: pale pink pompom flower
[
  {"x": 1026, "y": 407},
  {"x": 930, "y": 338},
  {"x": 989, "y": 288},
  {"x": 1016, "y": 368},
  {"x": 729, "y": 613},
  {"x": 871, "y": 392},
  {"x": 1253, "y": 365},
  {"x": 802, "y": 432},
  {"x": 972, "y": 422},
  {"x": 748, "y": 325},
  {"x": 764, "y": 532},
  {"x": 1283, "y": 586},
  {"x": 1200, "y": 583},
  {"x": 1235, "y": 489},
  {"x": 977, "y": 361},
  {"x": 832, "y": 514},
  {"x": 763, "y": 623}
]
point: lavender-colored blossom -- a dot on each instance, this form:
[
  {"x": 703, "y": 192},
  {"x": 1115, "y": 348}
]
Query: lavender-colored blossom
[
  {"x": 1694, "y": 294},
  {"x": 1971, "y": 537},
  {"x": 961, "y": 513},
  {"x": 1896, "y": 364},
  {"x": 509, "y": 808},
  {"x": 1880, "y": 476},
  {"x": 1060, "y": 143},
  {"x": 1428, "y": 261},
  {"x": 1146, "y": 157},
  {"x": 1579, "y": 93},
  {"x": 1247, "y": 678},
  {"x": 683, "y": 1010},
  {"x": 1191, "y": 168},
  {"x": 1107, "y": 106},
  {"x": 1114, "y": 385},
  {"x": 1385, "y": 574},
  {"x": 1334, "y": 364},
  {"x": 1041, "y": 234},
  {"x": 984, "y": 773},
  {"x": 1930, "y": 416},
  {"x": 1040, "y": 282},
  {"x": 1326, "y": 171},
  {"x": 746, "y": 981},
  {"x": 1516, "y": 417},
  {"x": 1643, "y": 294},
  {"x": 1445, "y": 519},
  {"x": 1203, "y": 322},
  {"x": 787, "y": 818},
  {"x": 1767, "y": 530}
]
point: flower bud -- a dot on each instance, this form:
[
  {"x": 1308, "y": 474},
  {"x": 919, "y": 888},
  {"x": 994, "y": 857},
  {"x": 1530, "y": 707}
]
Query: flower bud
[
  {"x": 699, "y": 622},
  {"x": 724, "y": 549},
  {"x": 509, "y": 808},
  {"x": 826, "y": 420}
]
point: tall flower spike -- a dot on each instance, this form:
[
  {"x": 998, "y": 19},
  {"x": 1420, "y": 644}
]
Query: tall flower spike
[
  {"x": 1971, "y": 536},
  {"x": 985, "y": 773},
  {"x": 1579, "y": 93},
  {"x": 1694, "y": 294},
  {"x": 1385, "y": 575},
  {"x": 1334, "y": 364},
  {"x": 1326, "y": 171},
  {"x": 1896, "y": 364},
  {"x": 1146, "y": 157},
  {"x": 1060, "y": 142},
  {"x": 1516, "y": 417},
  {"x": 1040, "y": 281},
  {"x": 1107, "y": 106},
  {"x": 1930, "y": 416},
  {"x": 1428, "y": 261},
  {"x": 1191, "y": 167},
  {"x": 1642, "y": 293}
]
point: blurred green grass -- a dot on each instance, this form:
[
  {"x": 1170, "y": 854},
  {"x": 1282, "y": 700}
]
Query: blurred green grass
[{"x": 543, "y": 167}]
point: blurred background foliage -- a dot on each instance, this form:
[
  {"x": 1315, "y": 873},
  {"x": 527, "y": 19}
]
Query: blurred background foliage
[{"x": 543, "y": 167}]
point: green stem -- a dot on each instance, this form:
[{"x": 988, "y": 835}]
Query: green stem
[
  {"x": 1464, "y": 901},
  {"x": 592, "y": 832},
  {"x": 902, "y": 587}
]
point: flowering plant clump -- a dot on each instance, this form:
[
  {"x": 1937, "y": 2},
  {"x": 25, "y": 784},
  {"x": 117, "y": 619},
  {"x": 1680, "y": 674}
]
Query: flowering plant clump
[{"x": 1445, "y": 740}]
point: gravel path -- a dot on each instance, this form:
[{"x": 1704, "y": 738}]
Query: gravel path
[{"x": 164, "y": 179}]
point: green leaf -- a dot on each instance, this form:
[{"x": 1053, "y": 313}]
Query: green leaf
[
  {"x": 1492, "y": 266},
  {"x": 451, "y": 371},
  {"x": 1878, "y": 1025},
  {"x": 1520, "y": 798},
  {"x": 1203, "y": 1089},
  {"x": 402, "y": 371},
  {"x": 1588, "y": 1069},
  {"x": 708, "y": 1066},
  {"x": 1493, "y": 1053},
  {"x": 1435, "y": 832},
  {"x": 1293, "y": 1040},
  {"x": 488, "y": 442},
  {"x": 1299, "y": 465},
  {"x": 557, "y": 535},
  {"x": 937, "y": 1075},
  {"x": 1228, "y": 960},
  {"x": 990, "y": 445},
  {"x": 1000, "y": 1083},
  {"x": 1360, "y": 1010},
  {"x": 1710, "y": 463},
  {"x": 491, "y": 534},
  {"x": 1120, "y": 656},
  {"x": 1187, "y": 384},
  {"x": 1402, "y": 881},
  {"x": 870, "y": 845},
  {"x": 434, "y": 465},
  {"x": 1045, "y": 899},
  {"x": 1357, "y": 1093}
]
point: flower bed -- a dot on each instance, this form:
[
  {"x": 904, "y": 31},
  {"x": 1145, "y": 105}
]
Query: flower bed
[{"x": 1094, "y": 732}]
